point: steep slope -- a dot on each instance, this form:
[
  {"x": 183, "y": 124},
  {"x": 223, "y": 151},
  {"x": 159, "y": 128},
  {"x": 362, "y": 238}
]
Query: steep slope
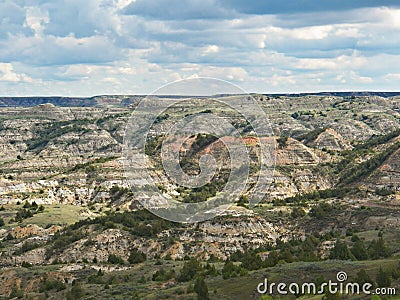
[{"x": 331, "y": 140}]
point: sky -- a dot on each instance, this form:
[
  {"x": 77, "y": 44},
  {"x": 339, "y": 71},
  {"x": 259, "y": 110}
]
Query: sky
[{"x": 97, "y": 47}]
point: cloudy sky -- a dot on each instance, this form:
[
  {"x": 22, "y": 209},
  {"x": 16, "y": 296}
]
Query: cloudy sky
[{"x": 92, "y": 47}]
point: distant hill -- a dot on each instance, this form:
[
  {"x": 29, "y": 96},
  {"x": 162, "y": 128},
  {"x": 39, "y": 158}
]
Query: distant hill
[
  {"x": 341, "y": 94},
  {"x": 58, "y": 101},
  {"x": 126, "y": 100},
  {"x": 69, "y": 101}
]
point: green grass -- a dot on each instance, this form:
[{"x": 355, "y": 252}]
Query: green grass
[
  {"x": 300, "y": 272},
  {"x": 125, "y": 284},
  {"x": 63, "y": 214},
  {"x": 56, "y": 214}
]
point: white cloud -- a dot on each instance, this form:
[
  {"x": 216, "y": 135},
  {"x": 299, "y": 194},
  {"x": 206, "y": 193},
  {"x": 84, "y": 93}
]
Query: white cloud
[
  {"x": 120, "y": 4},
  {"x": 211, "y": 49},
  {"x": 311, "y": 33},
  {"x": 111, "y": 80},
  {"x": 8, "y": 74},
  {"x": 85, "y": 48},
  {"x": 36, "y": 19},
  {"x": 52, "y": 50},
  {"x": 393, "y": 76},
  {"x": 353, "y": 77},
  {"x": 230, "y": 74},
  {"x": 77, "y": 71}
]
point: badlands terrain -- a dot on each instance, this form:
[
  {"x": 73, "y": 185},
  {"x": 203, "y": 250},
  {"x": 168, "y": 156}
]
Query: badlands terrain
[{"x": 72, "y": 228}]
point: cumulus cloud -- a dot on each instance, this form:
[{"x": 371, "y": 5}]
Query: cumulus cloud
[
  {"x": 133, "y": 46},
  {"x": 7, "y": 74},
  {"x": 52, "y": 50},
  {"x": 36, "y": 19},
  {"x": 179, "y": 9},
  {"x": 298, "y": 6},
  {"x": 12, "y": 19}
]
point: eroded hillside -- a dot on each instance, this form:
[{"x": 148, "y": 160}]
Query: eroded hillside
[{"x": 64, "y": 199}]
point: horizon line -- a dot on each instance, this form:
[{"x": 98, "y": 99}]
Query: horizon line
[{"x": 194, "y": 95}]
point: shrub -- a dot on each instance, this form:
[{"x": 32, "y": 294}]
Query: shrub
[
  {"x": 189, "y": 270},
  {"x": 363, "y": 277},
  {"x": 48, "y": 285},
  {"x": 162, "y": 275},
  {"x": 378, "y": 249},
  {"x": 282, "y": 142},
  {"x": 383, "y": 278},
  {"x": 75, "y": 293},
  {"x": 26, "y": 264},
  {"x": 23, "y": 214},
  {"x": 136, "y": 257},
  {"x": 26, "y": 247},
  {"x": 359, "y": 251},
  {"x": 297, "y": 212},
  {"x": 201, "y": 289},
  {"x": 341, "y": 251},
  {"x": 251, "y": 260},
  {"x": 115, "y": 260},
  {"x": 321, "y": 210},
  {"x": 384, "y": 192},
  {"x": 231, "y": 270}
]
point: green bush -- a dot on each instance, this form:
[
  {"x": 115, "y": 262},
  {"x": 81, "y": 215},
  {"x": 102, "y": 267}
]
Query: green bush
[
  {"x": 341, "y": 251},
  {"x": 321, "y": 210},
  {"x": 231, "y": 270},
  {"x": 162, "y": 275},
  {"x": 297, "y": 212},
  {"x": 115, "y": 260},
  {"x": 363, "y": 277},
  {"x": 251, "y": 260},
  {"x": 378, "y": 249},
  {"x": 201, "y": 289},
  {"x": 136, "y": 257},
  {"x": 384, "y": 192},
  {"x": 383, "y": 278},
  {"x": 359, "y": 251},
  {"x": 189, "y": 270},
  {"x": 48, "y": 285},
  {"x": 282, "y": 142},
  {"x": 23, "y": 214},
  {"x": 26, "y": 264},
  {"x": 27, "y": 246}
]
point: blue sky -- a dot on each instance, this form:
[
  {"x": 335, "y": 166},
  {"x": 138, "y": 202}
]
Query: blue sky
[{"x": 92, "y": 47}]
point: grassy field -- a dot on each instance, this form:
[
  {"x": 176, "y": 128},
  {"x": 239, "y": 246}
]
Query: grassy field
[
  {"x": 240, "y": 287},
  {"x": 57, "y": 214},
  {"x": 62, "y": 214},
  {"x": 299, "y": 272}
]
